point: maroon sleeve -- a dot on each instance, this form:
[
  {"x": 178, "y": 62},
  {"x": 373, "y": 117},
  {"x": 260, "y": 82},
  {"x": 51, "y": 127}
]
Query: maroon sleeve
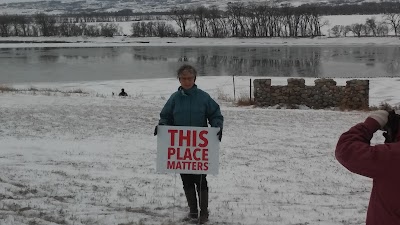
[{"x": 355, "y": 152}]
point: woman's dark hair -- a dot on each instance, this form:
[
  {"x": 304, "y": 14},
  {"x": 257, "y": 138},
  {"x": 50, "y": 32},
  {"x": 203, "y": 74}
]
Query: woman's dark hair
[{"x": 188, "y": 68}]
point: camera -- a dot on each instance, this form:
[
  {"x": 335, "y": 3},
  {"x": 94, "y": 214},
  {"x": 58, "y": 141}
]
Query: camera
[{"x": 392, "y": 127}]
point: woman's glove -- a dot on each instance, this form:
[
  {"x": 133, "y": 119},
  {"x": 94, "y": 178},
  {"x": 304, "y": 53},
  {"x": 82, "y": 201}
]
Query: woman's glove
[
  {"x": 219, "y": 134},
  {"x": 381, "y": 116}
]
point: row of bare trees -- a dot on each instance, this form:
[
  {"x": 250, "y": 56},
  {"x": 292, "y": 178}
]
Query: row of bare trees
[
  {"x": 248, "y": 20},
  {"x": 45, "y": 25},
  {"x": 371, "y": 27},
  {"x": 341, "y": 8},
  {"x": 153, "y": 29},
  {"x": 255, "y": 20},
  {"x": 238, "y": 20}
]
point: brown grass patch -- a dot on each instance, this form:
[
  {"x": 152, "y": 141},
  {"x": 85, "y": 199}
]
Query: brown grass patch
[
  {"x": 45, "y": 91},
  {"x": 4, "y": 88},
  {"x": 244, "y": 100},
  {"x": 384, "y": 106}
]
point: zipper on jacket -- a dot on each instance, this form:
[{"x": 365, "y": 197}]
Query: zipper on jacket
[{"x": 190, "y": 110}]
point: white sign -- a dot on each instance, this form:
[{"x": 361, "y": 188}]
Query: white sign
[{"x": 192, "y": 150}]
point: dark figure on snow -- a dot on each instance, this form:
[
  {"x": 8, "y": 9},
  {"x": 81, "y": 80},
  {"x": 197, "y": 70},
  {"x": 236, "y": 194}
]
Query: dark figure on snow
[
  {"x": 123, "y": 93},
  {"x": 191, "y": 106},
  {"x": 380, "y": 162}
]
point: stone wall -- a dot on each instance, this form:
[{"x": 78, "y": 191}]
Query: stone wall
[{"x": 325, "y": 94}]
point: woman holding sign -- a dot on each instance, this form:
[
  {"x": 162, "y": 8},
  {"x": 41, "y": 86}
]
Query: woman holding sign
[{"x": 191, "y": 106}]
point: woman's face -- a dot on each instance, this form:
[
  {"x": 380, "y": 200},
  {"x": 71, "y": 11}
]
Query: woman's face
[{"x": 186, "y": 79}]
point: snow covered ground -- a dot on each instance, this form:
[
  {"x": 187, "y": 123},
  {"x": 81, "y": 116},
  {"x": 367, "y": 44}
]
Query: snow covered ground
[
  {"x": 90, "y": 158},
  {"x": 154, "y": 41}
]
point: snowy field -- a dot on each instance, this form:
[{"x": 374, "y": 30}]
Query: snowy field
[{"x": 90, "y": 158}]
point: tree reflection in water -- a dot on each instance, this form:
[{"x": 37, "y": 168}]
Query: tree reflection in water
[{"x": 108, "y": 63}]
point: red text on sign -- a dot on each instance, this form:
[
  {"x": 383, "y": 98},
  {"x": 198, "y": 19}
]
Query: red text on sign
[
  {"x": 191, "y": 138},
  {"x": 173, "y": 165},
  {"x": 197, "y": 154}
]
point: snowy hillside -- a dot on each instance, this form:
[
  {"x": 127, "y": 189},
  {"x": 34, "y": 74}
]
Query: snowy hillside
[{"x": 62, "y": 6}]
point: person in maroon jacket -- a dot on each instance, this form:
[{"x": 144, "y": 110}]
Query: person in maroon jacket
[{"x": 380, "y": 162}]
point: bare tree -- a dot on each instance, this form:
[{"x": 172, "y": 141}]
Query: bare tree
[
  {"x": 346, "y": 30},
  {"x": 109, "y": 29},
  {"x": 199, "y": 16},
  {"x": 216, "y": 22},
  {"x": 23, "y": 23},
  {"x": 337, "y": 30},
  {"x": 151, "y": 29},
  {"x": 314, "y": 21},
  {"x": 64, "y": 29},
  {"x": 15, "y": 24},
  {"x": 181, "y": 16},
  {"x": 5, "y": 25},
  {"x": 236, "y": 14},
  {"x": 92, "y": 31},
  {"x": 305, "y": 23},
  {"x": 356, "y": 28},
  {"x": 394, "y": 20},
  {"x": 276, "y": 23},
  {"x": 164, "y": 30},
  {"x": 252, "y": 19},
  {"x": 262, "y": 20},
  {"x": 46, "y": 24},
  {"x": 382, "y": 29},
  {"x": 70, "y": 29},
  {"x": 297, "y": 16},
  {"x": 286, "y": 15},
  {"x": 136, "y": 29},
  {"x": 291, "y": 18},
  {"x": 365, "y": 30},
  {"x": 370, "y": 24},
  {"x": 34, "y": 31}
]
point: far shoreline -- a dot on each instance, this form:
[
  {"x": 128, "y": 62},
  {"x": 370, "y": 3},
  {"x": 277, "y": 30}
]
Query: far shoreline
[{"x": 76, "y": 42}]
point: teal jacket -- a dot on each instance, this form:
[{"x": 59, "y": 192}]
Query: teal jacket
[{"x": 192, "y": 107}]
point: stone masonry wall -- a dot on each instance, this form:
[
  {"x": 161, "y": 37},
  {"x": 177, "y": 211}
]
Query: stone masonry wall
[{"x": 325, "y": 94}]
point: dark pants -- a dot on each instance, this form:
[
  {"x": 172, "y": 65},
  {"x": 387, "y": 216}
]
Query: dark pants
[{"x": 189, "y": 181}]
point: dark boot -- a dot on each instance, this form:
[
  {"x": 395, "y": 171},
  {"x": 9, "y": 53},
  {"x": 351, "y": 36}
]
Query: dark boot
[
  {"x": 192, "y": 203},
  {"x": 203, "y": 196}
]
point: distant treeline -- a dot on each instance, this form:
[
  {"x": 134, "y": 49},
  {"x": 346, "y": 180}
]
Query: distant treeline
[
  {"x": 238, "y": 20},
  {"x": 46, "y": 25},
  {"x": 366, "y": 8},
  {"x": 339, "y": 7}
]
